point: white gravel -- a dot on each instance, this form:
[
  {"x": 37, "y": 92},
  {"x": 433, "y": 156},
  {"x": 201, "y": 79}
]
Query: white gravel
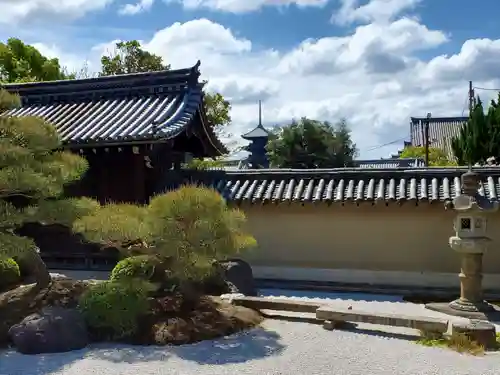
[{"x": 276, "y": 348}]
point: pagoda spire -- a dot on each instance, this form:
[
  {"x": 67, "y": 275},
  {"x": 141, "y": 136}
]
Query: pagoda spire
[{"x": 260, "y": 113}]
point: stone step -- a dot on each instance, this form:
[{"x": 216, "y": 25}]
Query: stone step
[{"x": 397, "y": 320}]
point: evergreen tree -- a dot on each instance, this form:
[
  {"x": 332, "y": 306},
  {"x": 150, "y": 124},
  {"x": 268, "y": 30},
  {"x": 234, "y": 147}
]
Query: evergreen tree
[
  {"x": 311, "y": 144},
  {"x": 479, "y": 138},
  {"x": 33, "y": 173}
]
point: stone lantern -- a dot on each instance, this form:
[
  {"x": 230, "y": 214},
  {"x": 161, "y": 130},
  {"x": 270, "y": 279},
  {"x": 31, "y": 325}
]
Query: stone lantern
[{"x": 470, "y": 242}]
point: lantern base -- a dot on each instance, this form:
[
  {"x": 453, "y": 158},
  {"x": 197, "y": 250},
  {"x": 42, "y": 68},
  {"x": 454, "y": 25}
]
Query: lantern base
[{"x": 481, "y": 311}]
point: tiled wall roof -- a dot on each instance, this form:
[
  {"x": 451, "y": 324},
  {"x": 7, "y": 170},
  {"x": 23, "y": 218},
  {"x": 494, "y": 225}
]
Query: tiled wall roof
[
  {"x": 441, "y": 131},
  {"x": 343, "y": 185}
]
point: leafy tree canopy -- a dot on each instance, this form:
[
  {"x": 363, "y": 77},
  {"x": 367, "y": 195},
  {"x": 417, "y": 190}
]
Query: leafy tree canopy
[
  {"x": 128, "y": 58},
  {"x": 311, "y": 144},
  {"x": 204, "y": 164},
  {"x": 20, "y": 62},
  {"x": 437, "y": 157}
]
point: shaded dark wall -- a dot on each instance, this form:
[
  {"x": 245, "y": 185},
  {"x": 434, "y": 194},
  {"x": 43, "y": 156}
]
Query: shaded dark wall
[
  {"x": 62, "y": 249},
  {"x": 113, "y": 176}
]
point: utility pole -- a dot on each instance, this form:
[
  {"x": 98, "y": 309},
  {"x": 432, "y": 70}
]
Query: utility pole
[
  {"x": 426, "y": 139},
  {"x": 471, "y": 97}
]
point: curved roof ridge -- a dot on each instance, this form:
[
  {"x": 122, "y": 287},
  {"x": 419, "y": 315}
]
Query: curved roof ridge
[
  {"x": 430, "y": 171},
  {"x": 180, "y": 77}
]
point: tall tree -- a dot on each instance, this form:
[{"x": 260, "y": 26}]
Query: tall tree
[
  {"x": 437, "y": 157},
  {"x": 130, "y": 57},
  {"x": 20, "y": 62},
  {"x": 311, "y": 144},
  {"x": 479, "y": 138},
  {"x": 32, "y": 179}
]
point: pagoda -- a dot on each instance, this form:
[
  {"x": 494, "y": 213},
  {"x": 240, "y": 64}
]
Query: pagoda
[{"x": 258, "y": 138}]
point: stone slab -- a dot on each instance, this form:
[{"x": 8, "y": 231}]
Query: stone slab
[
  {"x": 396, "y": 320},
  {"x": 263, "y": 303},
  {"x": 445, "y": 308}
]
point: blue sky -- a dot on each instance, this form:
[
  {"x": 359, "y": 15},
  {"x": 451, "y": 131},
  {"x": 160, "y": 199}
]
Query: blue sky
[{"x": 374, "y": 62}]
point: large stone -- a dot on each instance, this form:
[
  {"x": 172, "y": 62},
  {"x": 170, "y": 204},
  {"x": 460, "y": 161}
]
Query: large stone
[
  {"x": 239, "y": 276},
  {"x": 53, "y": 330}
]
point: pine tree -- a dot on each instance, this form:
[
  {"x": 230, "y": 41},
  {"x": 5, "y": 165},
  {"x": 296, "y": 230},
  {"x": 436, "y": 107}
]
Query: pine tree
[
  {"x": 476, "y": 140},
  {"x": 33, "y": 173}
]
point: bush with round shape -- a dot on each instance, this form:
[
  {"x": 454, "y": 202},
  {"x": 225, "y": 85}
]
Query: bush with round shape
[
  {"x": 112, "y": 309},
  {"x": 10, "y": 273},
  {"x": 145, "y": 267}
]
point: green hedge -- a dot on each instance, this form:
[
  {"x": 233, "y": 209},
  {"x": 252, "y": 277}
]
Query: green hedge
[
  {"x": 9, "y": 272},
  {"x": 145, "y": 267},
  {"x": 112, "y": 308}
]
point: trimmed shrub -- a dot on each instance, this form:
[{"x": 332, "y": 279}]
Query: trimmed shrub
[
  {"x": 196, "y": 226},
  {"x": 145, "y": 267},
  {"x": 9, "y": 272},
  {"x": 112, "y": 309}
]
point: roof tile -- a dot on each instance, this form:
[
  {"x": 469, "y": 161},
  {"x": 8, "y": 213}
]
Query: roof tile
[
  {"x": 344, "y": 185},
  {"x": 116, "y": 119}
]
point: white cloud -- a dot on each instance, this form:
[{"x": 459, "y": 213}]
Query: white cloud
[
  {"x": 73, "y": 63},
  {"x": 372, "y": 11},
  {"x": 375, "y": 77},
  {"x": 139, "y": 7},
  {"x": 16, "y": 11},
  {"x": 376, "y": 47},
  {"x": 244, "y": 6},
  {"x": 201, "y": 35}
]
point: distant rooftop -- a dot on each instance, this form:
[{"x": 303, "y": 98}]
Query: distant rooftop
[
  {"x": 257, "y": 132},
  {"x": 441, "y": 131}
]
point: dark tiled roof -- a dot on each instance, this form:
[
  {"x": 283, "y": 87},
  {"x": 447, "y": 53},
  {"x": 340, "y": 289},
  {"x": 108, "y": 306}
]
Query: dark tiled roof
[
  {"x": 110, "y": 109},
  {"x": 257, "y": 132},
  {"x": 441, "y": 131},
  {"x": 343, "y": 185},
  {"x": 389, "y": 163}
]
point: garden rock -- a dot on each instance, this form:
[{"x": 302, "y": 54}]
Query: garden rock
[
  {"x": 238, "y": 276},
  {"x": 53, "y": 330}
]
